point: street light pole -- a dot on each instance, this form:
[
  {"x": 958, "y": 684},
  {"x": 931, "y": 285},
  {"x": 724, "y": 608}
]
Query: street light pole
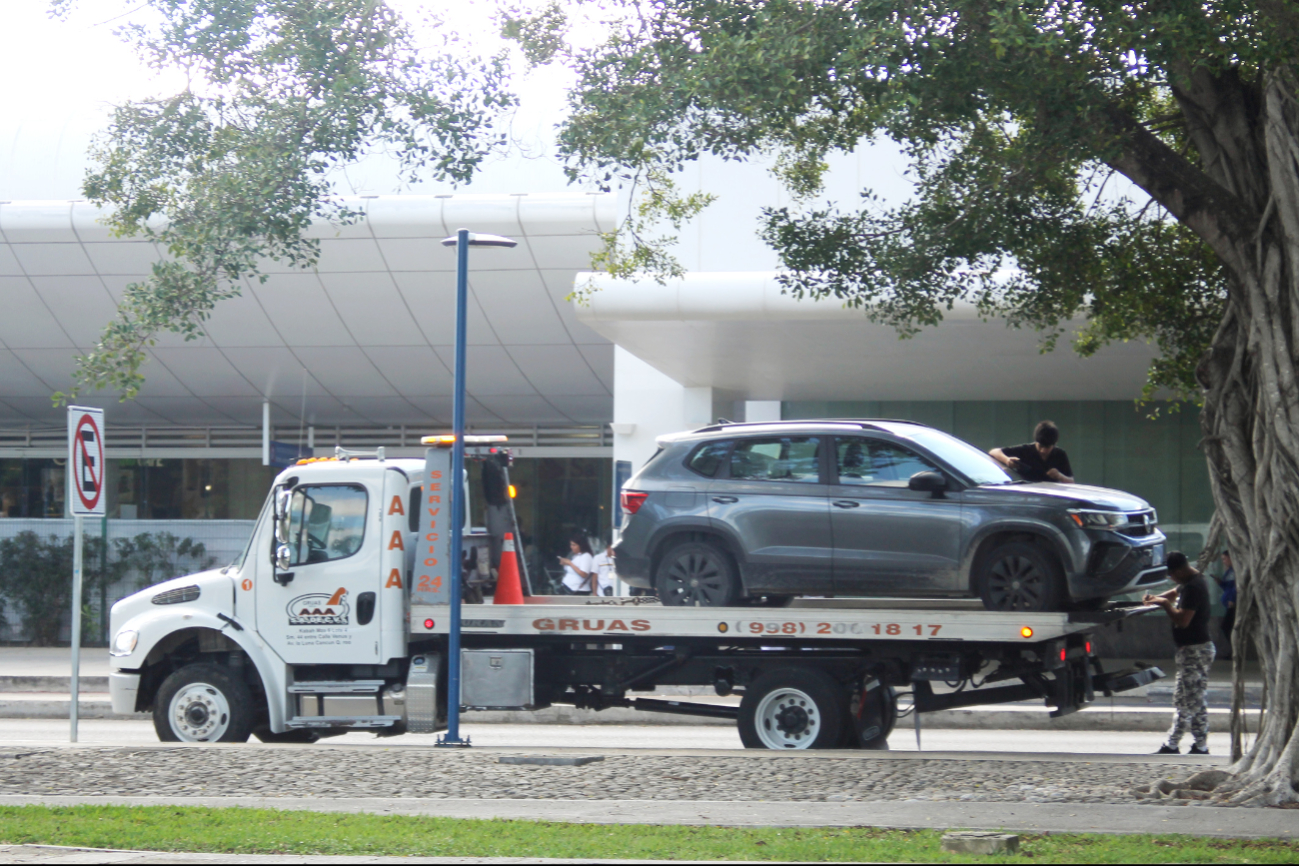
[{"x": 463, "y": 240}]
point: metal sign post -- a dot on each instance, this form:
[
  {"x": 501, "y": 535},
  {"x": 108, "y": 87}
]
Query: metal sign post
[{"x": 86, "y": 496}]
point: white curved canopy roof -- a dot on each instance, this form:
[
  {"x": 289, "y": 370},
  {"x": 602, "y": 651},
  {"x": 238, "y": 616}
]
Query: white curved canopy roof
[
  {"x": 364, "y": 338},
  {"x": 737, "y": 333}
]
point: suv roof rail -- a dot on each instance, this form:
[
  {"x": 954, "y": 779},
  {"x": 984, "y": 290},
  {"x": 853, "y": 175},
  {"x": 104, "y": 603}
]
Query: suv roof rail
[{"x": 865, "y": 424}]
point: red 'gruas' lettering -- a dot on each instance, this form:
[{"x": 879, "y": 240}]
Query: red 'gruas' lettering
[
  {"x": 599, "y": 625},
  {"x": 617, "y": 625},
  {"x": 568, "y": 625},
  {"x": 640, "y": 625},
  {"x": 545, "y": 624}
]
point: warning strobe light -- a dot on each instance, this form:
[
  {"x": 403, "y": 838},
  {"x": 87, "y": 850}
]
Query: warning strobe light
[
  {"x": 514, "y": 492},
  {"x": 428, "y": 624},
  {"x": 1026, "y": 631},
  {"x": 1088, "y": 647},
  {"x": 1063, "y": 653}
]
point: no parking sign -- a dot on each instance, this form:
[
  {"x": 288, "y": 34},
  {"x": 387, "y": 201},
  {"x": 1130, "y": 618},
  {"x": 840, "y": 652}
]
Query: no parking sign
[{"x": 86, "y": 460}]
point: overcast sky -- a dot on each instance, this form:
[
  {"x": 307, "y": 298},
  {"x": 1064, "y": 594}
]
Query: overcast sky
[{"x": 62, "y": 78}]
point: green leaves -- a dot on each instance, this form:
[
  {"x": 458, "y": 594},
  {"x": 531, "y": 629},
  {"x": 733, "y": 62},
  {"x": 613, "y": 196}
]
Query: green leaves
[
  {"x": 1015, "y": 117},
  {"x": 233, "y": 170}
]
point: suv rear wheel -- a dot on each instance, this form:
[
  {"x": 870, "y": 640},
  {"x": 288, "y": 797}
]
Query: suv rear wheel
[
  {"x": 697, "y": 574},
  {"x": 1019, "y": 576}
]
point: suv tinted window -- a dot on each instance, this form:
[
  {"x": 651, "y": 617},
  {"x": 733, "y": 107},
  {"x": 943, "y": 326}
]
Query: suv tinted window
[
  {"x": 708, "y": 459},
  {"x": 326, "y": 522},
  {"x": 872, "y": 461},
  {"x": 783, "y": 459}
]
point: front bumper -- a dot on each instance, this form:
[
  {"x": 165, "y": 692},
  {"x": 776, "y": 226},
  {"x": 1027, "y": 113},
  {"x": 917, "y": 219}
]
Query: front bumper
[
  {"x": 1117, "y": 565},
  {"x": 123, "y": 688}
]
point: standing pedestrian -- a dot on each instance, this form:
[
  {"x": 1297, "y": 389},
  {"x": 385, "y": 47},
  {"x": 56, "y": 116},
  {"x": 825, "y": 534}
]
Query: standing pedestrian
[
  {"x": 1039, "y": 460},
  {"x": 1187, "y": 606},
  {"x": 579, "y": 566},
  {"x": 606, "y": 569},
  {"x": 1228, "y": 584}
]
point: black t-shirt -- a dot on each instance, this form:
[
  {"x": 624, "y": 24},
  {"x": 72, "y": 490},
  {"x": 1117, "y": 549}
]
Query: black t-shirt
[
  {"x": 1193, "y": 596},
  {"x": 1031, "y": 465}
]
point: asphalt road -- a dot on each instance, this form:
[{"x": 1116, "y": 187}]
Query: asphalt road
[{"x": 48, "y": 732}]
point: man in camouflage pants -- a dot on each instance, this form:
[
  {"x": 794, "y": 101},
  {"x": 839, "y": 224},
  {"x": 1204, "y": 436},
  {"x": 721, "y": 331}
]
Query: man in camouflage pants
[{"x": 1187, "y": 606}]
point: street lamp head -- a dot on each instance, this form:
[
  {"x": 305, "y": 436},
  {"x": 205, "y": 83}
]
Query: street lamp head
[{"x": 481, "y": 240}]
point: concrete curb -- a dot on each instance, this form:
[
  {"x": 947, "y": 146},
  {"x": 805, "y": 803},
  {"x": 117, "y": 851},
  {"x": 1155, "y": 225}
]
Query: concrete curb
[{"x": 1222, "y": 823}]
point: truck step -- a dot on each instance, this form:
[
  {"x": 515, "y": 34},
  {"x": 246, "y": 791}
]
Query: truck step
[
  {"x": 344, "y": 687},
  {"x": 342, "y": 721}
]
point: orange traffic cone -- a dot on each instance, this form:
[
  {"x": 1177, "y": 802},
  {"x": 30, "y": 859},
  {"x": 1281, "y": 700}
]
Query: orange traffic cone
[{"x": 508, "y": 588}]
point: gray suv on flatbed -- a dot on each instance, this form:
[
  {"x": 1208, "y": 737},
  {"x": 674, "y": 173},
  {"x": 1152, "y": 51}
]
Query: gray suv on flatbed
[{"x": 759, "y": 513}]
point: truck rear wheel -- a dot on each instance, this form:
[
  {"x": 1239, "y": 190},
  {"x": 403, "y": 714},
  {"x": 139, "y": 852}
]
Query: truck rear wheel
[
  {"x": 1021, "y": 577},
  {"x": 793, "y": 708},
  {"x": 203, "y": 703},
  {"x": 697, "y": 574}
]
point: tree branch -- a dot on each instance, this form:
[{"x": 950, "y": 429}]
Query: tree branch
[{"x": 1219, "y": 218}]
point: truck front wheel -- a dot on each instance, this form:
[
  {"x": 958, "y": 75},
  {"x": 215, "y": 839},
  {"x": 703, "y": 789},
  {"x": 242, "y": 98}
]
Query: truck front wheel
[
  {"x": 203, "y": 703},
  {"x": 793, "y": 708}
]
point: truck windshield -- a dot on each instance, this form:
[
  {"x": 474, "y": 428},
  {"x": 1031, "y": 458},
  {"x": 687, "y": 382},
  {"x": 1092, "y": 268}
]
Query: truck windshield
[{"x": 961, "y": 456}]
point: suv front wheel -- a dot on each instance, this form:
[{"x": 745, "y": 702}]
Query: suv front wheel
[
  {"x": 697, "y": 574},
  {"x": 1022, "y": 577}
]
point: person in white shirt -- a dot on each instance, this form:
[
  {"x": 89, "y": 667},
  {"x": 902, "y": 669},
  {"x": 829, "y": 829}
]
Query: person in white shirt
[
  {"x": 579, "y": 566},
  {"x": 605, "y": 568}
]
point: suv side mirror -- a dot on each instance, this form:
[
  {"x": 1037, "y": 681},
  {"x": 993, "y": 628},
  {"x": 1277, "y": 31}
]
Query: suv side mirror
[{"x": 928, "y": 482}]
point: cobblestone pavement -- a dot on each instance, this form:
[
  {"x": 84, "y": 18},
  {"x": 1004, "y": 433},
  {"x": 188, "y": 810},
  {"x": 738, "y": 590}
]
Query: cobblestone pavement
[{"x": 320, "y": 771}]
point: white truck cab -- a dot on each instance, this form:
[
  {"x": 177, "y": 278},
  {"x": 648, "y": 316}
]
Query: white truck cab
[{"x": 336, "y": 597}]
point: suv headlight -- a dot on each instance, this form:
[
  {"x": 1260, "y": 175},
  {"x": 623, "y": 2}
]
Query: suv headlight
[
  {"x": 1098, "y": 519},
  {"x": 124, "y": 642}
]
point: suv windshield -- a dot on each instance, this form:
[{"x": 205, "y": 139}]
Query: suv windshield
[{"x": 961, "y": 456}]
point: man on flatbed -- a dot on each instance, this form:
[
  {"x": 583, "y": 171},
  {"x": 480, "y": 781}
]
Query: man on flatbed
[{"x": 1039, "y": 460}]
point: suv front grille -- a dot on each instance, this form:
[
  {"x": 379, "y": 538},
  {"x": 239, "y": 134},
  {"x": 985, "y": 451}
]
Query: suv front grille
[{"x": 1140, "y": 524}]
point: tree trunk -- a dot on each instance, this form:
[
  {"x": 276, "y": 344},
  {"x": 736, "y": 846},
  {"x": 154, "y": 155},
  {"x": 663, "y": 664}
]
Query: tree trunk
[{"x": 1251, "y": 439}]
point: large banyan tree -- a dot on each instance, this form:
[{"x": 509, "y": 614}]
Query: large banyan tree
[{"x": 1131, "y": 164}]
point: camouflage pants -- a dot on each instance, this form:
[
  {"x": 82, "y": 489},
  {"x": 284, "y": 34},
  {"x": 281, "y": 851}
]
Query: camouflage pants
[{"x": 1190, "y": 695}]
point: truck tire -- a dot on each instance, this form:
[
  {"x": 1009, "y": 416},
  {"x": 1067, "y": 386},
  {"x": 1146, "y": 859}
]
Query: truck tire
[
  {"x": 1021, "y": 577},
  {"x": 793, "y": 708},
  {"x": 869, "y": 726},
  {"x": 203, "y": 703},
  {"x": 697, "y": 574}
]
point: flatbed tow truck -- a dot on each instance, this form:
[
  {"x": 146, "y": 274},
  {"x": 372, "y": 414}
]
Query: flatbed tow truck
[{"x": 334, "y": 620}]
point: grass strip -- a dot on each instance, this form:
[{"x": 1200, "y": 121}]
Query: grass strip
[{"x": 272, "y": 831}]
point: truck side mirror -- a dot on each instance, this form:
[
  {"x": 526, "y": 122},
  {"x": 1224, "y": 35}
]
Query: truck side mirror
[
  {"x": 283, "y": 557},
  {"x": 282, "y": 514}
]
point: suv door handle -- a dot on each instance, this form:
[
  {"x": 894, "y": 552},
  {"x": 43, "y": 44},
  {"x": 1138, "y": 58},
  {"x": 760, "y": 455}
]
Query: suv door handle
[
  {"x": 846, "y": 503},
  {"x": 726, "y": 500}
]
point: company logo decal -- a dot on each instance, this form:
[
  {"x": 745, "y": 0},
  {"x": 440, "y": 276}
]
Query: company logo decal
[{"x": 319, "y": 608}]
